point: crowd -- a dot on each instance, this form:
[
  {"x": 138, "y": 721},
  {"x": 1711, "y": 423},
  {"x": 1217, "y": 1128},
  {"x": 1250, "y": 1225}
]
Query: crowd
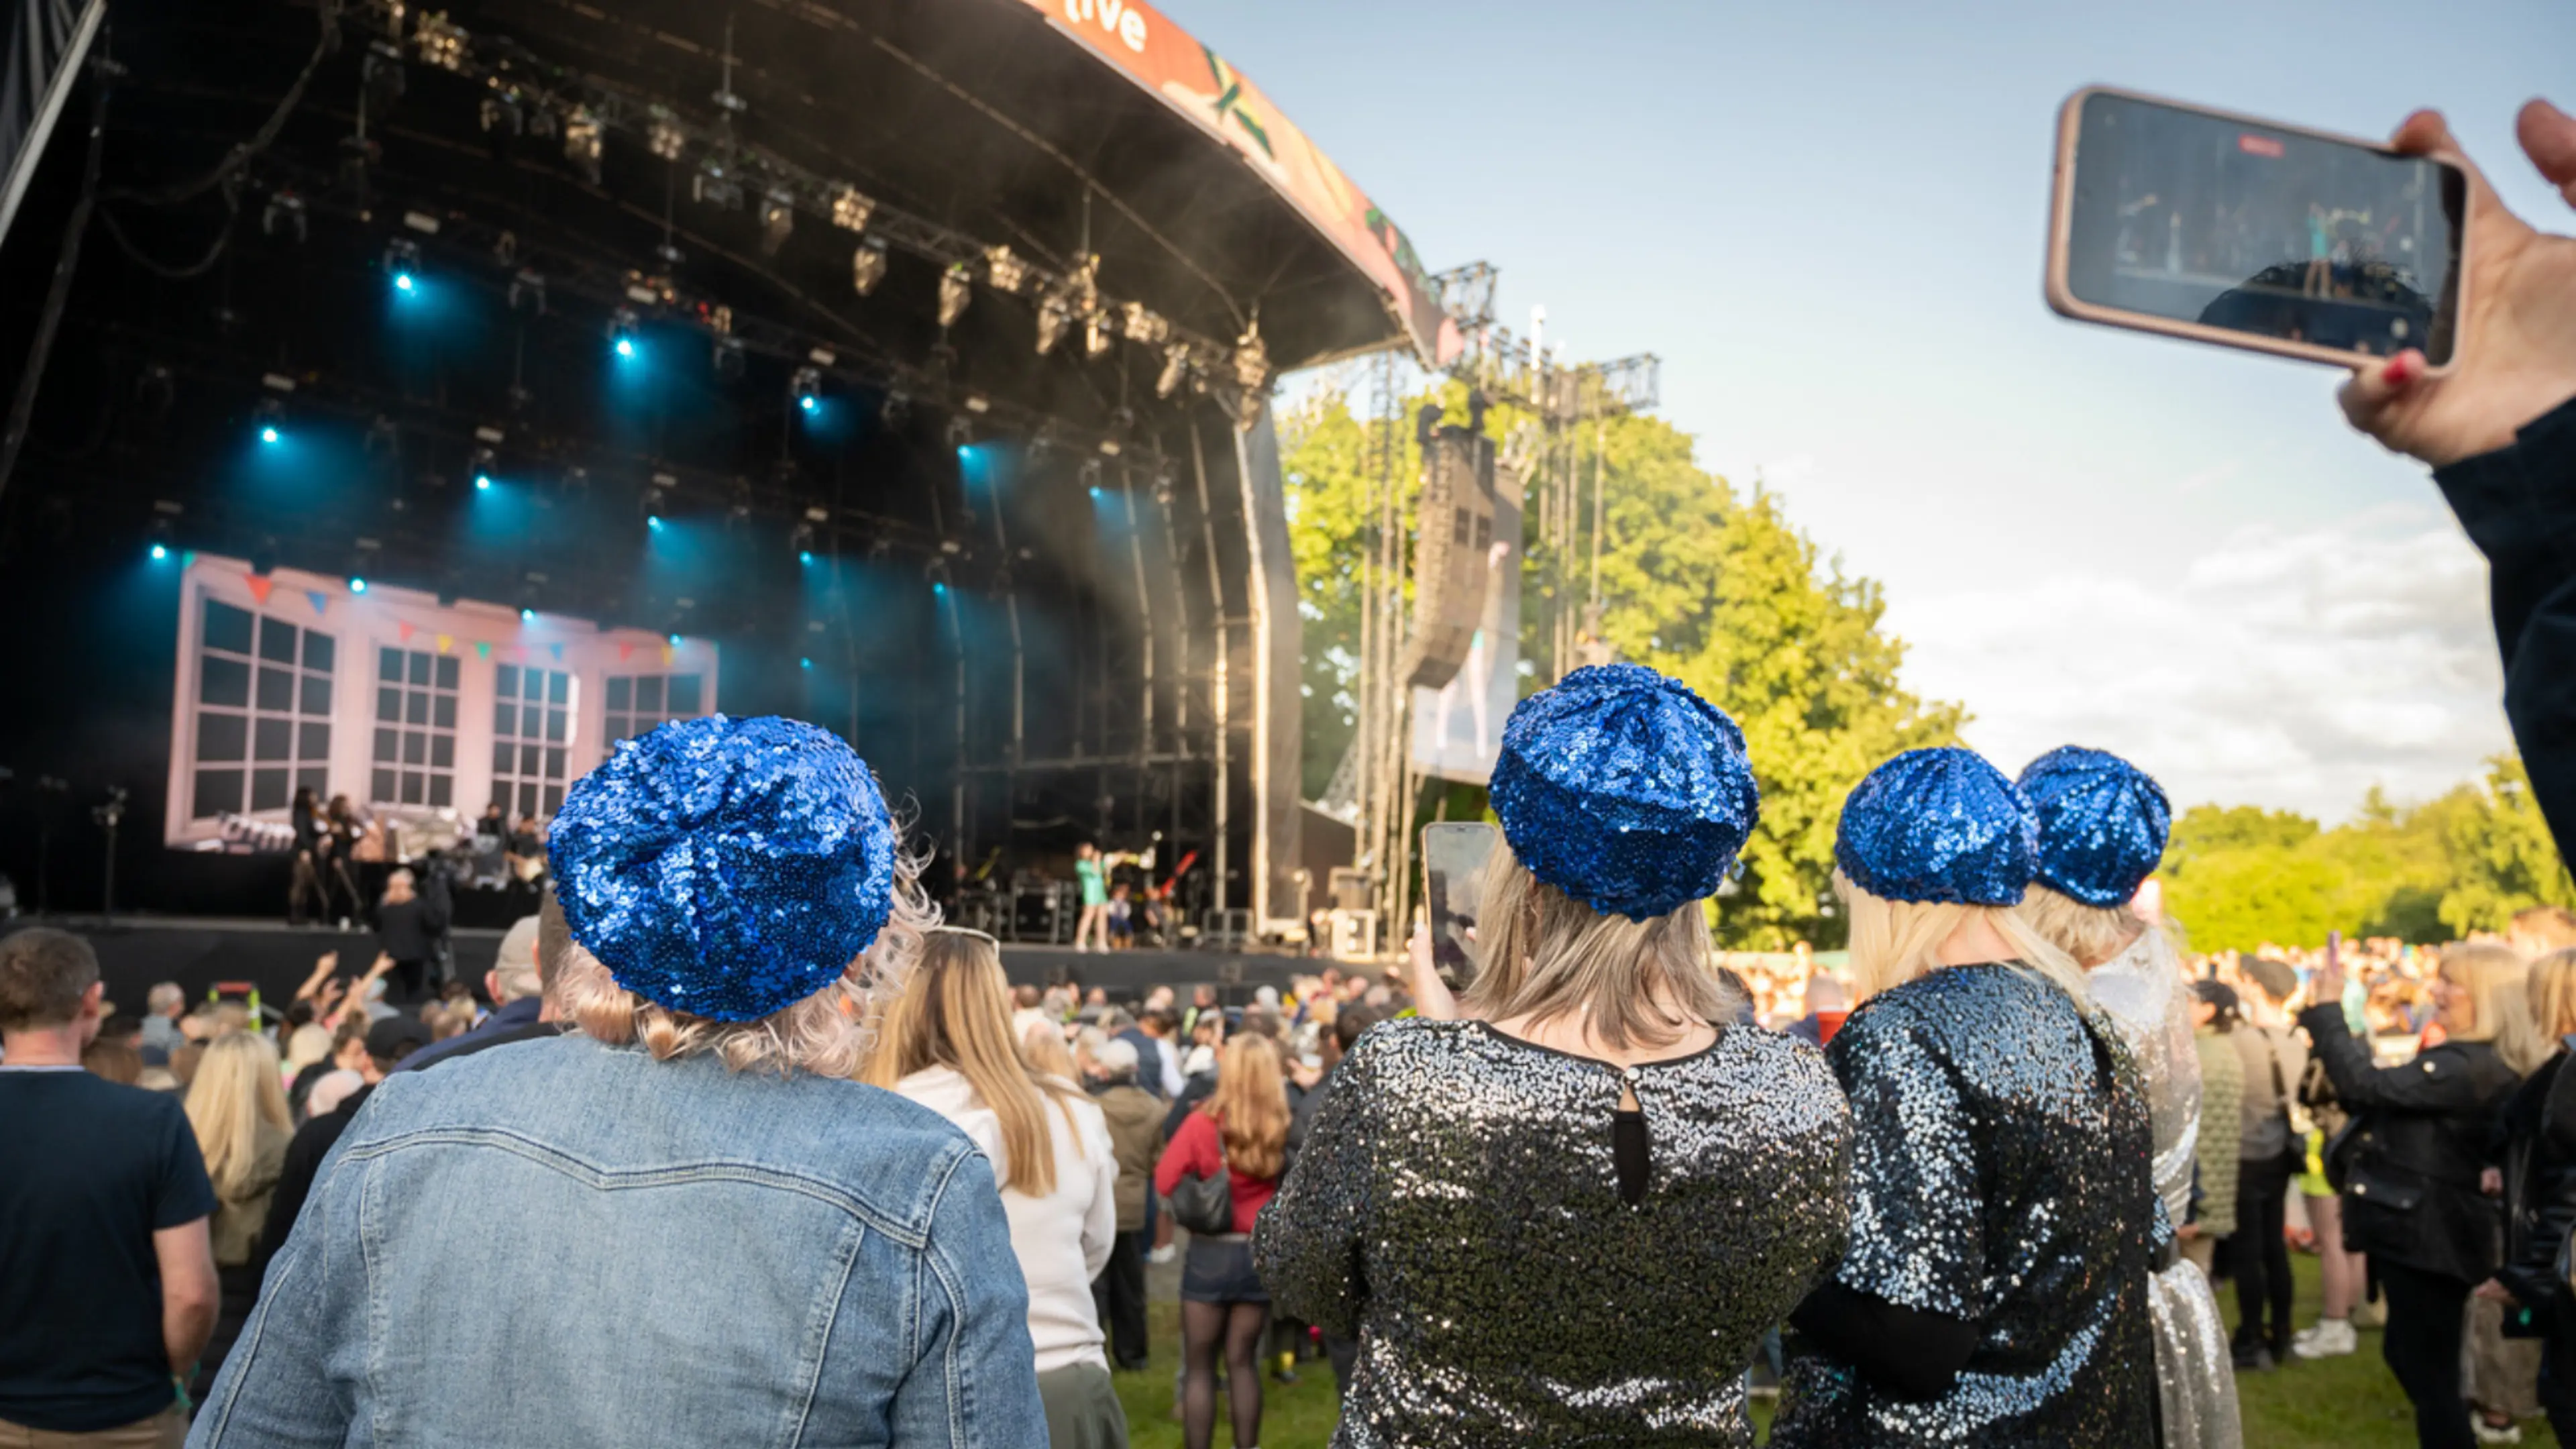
[{"x": 744, "y": 1145}]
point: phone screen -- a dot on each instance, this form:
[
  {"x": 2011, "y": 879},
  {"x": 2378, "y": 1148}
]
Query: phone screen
[
  {"x": 2192, "y": 217},
  {"x": 1453, "y": 882}
]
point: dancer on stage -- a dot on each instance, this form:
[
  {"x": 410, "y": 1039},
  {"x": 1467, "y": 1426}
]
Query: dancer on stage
[
  {"x": 1572, "y": 1217},
  {"x": 2102, "y": 826},
  {"x": 2003, "y": 1211}
]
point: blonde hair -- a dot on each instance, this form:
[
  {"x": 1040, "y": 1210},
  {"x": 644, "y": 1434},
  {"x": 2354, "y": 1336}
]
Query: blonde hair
[
  {"x": 1545, "y": 955},
  {"x": 2497, "y": 983},
  {"x": 826, "y": 1033},
  {"x": 235, "y": 1089},
  {"x": 1893, "y": 942},
  {"x": 956, "y": 1013},
  {"x": 2090, "y": 934},
  {"x": 2550, "y": 992},
  {"x": 306, "y": 1045},
  {"x": 1250, "y": 1105},
  {"x": 1043, "y": 1046}
]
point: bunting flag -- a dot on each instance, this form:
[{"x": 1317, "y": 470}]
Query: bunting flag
[
  {"x": 666, "y": 653},
  {"x": 558, "y": 649},
  {"x": 406, "y": 632},
  {"x": 187, "y": 558},
  {"x": 523, "y": 654},
  {"x": 482, "y": 649},
  {"x": 260, "y": 584},
  {"x": 625, "y": 652},
  {"x": 444, "y": 640},
  {"x": 317, "y": 598}
]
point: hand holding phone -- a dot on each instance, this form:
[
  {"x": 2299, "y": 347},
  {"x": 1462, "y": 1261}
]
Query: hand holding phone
[
  {"x": 1453, "y": 882},
  {"x": 2517, "y": 326}
]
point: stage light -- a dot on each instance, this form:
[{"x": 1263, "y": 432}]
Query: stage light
[
  {"x": 729, "y": 358},
  {"x": 939, "y": 586},
  {"x": 621, "y": 331},
  {"x": 1005, "y": 271},
  {"x": 581, "y": 133},
  {"x": 1054, "y": 316},
  {"x": 867, "y": 266},
  {"x": 1146, "y": 325},
  {"x": 804, "y": 663},
  {"x": 270, "y": 415},
  {"x": 626, "y": 347},
  {"x": 653, "y": 521},
  {"x": 1176, "y": 366},
  {"x": 956, "y": 288},
  {"x": 268, "y": 434},
  {"x": 527, "y": 615},
  {"x": 675, "y": 641},
  {"x": 482, "y": 482},
  {"x": 806, "y": 387},
  {"x": 402, "y": 281},
  {"x": 777, "y": 221},
  {"x": 357, "y": 585},
  {"x": 850, "y": 208},
  {"x": 1095, "y": 490},
  {"x": 160, "y": 551},
  {"x": 402, "y": 259},
  {"x": 962, "y": 434}
]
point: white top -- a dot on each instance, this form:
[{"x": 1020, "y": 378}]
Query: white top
[{"x": 1062, "y": 1240}]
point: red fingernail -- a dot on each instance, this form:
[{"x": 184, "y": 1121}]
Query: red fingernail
[{"x": 2401, "y": 369}]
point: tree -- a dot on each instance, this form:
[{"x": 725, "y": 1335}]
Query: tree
[
  {"x": 2206, "y": 828},
  {"x": 1711, "y": 586},
  {"x": 2503, "y": 859}
]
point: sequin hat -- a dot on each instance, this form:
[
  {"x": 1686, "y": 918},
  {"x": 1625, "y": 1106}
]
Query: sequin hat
[
  {"x": 1938, "y": 825},
  {"x": 1625, "y": 790},
  {"x": 2102, "y": 823},
  {"x": 726, "y": 868}
]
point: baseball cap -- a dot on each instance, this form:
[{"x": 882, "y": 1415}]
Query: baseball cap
[{"x": 396, "y": 1037}]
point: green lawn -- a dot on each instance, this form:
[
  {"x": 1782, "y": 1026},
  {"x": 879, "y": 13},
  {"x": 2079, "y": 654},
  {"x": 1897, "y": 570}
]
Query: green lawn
[{"x": 2340, "y": 1403}]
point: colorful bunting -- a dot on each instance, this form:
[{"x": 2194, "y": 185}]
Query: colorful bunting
[
  {"x": 482, "y": 650},
  {"x": 406, "y": 632},
  {"x": 317, "y": 598},
  {"x": 625, "y": 651},
  {"x": 558, "y": 649},
  {"x": 444, "y": 640},
  {"x": 666, "y": 653},
  {"x": 260, "y": 584}
]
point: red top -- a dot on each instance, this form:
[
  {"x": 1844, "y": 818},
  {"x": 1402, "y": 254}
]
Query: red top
[
  {"x": 1195, "y": 1149},
  {"x": 1827, "y": 1023}
]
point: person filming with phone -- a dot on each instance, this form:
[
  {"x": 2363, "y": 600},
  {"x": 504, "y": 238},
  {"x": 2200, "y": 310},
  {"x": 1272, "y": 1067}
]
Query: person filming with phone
[{"x": 1535, "y": 1218}]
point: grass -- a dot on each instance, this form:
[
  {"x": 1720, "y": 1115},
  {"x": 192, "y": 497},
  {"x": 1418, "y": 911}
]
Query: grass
[{"x": 2337, "y": 1403}]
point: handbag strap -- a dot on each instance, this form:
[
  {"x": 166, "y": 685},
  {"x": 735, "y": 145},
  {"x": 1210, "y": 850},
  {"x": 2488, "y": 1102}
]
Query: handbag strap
[{"x": 2272, "y": 1054}]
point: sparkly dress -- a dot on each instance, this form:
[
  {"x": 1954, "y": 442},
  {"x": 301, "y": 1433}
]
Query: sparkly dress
[
  {"x": 1458, "y": 1209},
  {"x": 1998, "y": 1179},
  {"x": 2143, "y": 990}
]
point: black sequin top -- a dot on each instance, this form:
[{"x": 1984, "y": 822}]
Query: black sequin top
[
  {"x": 1458, "y": 1208},
  {"x": 2003, "y": 1176}
]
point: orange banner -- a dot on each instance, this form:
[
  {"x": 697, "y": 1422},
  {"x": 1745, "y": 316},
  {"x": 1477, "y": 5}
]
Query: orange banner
[{"x": 1197, "y": 82}]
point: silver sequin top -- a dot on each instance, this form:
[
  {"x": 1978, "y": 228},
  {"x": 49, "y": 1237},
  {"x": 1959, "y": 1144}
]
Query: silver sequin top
[
  {"x": 1457, "y": 1207},
  {"x": 2144, "y": 990},
  {"x": 1999, "y": 1178}
]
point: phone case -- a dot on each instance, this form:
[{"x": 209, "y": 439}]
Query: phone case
[{"x": 2061, "y": 219}]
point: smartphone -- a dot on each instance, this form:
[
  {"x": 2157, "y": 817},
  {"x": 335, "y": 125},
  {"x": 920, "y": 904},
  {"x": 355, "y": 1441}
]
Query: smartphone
[
  {"x": 1453, "y": 881},
  {"x": 2220, "y": 228}
]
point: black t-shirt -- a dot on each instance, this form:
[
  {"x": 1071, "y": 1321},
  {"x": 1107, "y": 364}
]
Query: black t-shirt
[{"x": 89, "y": 1170}]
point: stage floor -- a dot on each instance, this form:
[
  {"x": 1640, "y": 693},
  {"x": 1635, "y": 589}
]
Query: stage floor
[{"x": 200, "y": 952}]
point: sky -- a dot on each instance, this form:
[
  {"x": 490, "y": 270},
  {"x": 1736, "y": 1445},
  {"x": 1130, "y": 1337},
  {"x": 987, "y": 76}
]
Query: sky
[{"x": 1829, "y": 221}]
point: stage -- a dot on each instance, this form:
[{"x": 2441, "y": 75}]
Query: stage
[{"x": 199, "y": 952}]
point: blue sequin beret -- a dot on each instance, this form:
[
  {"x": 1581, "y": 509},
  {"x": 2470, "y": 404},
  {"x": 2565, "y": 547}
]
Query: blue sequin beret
[
  {"x": 1625, "y": 790},
  {"x": 2102, "y": 823},
  {"x": 1938, "y": 825},
  {"x": 727, "y": 868}
]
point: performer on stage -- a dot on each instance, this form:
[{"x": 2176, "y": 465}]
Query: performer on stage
[
  {"x": 1572, "y": 1217},
  {"x": 2003, "y": 1211},
  {"x": 2102, "y": 825}
]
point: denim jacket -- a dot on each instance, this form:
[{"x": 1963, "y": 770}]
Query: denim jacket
[{"x": 560, "y": 1242}]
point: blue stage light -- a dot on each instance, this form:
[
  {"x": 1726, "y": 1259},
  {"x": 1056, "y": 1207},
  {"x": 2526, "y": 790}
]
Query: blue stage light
[
  {"x": 675, "y": 641},
  {"x": 268, "y": 434},
  {"x": 939, "y": 588},
  {"x": 527, "y": 616},
  {"x": 805, "y": 555},
  {"x": 402, "y": 282},
  {"x": 160, "y": 551},
  {"x": 808, "y": 404},
  {"x": 804, "y": 663},
  {"x": 1095, "y": 490},
  {"x": 357, "y": 585},
  {"x": 964, "y": 452},
  {"x": 626, "y": 347},
  {"x": 482, "y": 482}
]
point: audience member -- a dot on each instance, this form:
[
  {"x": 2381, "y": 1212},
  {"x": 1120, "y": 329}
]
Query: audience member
[
  {"x": 520, "y": 984},
  {"x": 1135, "y": 1121},
  {"x": 107, "y": 1281},
  {"x": 2222, "y": 1093},
  {"x": 945, "y": 1043},
  {"x": 1239, "y": 1136},
  {"x": 718, "y": 1231},
  {"x": 2539, "y": 1127},
  {"x": 2269, "y": 1154},
  {"x": 366, "y": 1053},
  {"x": 163, "y": 1005},
  {"x": 237, "y": 1106}
]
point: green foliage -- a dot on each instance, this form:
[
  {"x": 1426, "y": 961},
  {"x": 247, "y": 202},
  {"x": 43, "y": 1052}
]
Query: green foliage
[
  {"x": 1698, "y": 580},
  {"x": 2464, "y": 861}
]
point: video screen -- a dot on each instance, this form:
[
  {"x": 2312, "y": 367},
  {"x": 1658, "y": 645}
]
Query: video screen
[{"x": 2197, "y": 218}]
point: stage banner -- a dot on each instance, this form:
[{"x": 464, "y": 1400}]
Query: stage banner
[
  {"x": 1458, "y": 728},
  {"x": 45, "y": 42},
  {"x": 1195, "y": 81}
]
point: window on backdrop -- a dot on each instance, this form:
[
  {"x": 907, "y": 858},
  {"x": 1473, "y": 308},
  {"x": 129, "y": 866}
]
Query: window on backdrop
[
  {"x": 641, "y": 703},
  {"x": 263, "y": 712},
  {"x": 415, "y": 753},
  {"x": 532, "y": 713}
]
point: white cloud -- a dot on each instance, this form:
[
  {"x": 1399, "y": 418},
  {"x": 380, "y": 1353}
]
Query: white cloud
[{"x": 2285, "y": 668}]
